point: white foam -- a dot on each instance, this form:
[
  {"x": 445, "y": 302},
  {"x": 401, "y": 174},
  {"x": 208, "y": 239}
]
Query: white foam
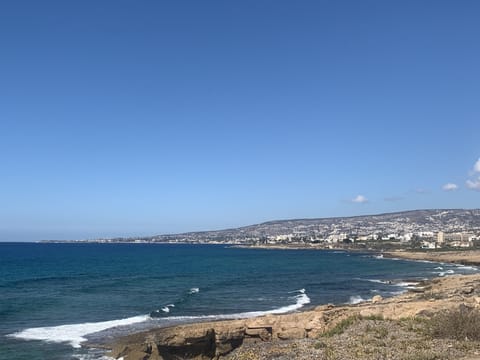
[
  {"x": 407, "y": 285},
  {"x": 301, "y": 300},
  {"x": 356, "y": 299},
  {"x": 379, "y": 281},
  {"x": 166, "y": 308},
  {"x": 74, "y": 333},
  {"x": 194, "y": 290},
  {"x": 467, "y": 267}
]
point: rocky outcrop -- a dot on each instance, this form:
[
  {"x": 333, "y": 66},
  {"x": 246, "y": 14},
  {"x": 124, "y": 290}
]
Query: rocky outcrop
[{"x": 214, "y": 340}]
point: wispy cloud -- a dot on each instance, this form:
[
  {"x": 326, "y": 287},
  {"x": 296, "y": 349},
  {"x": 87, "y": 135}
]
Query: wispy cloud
[
  {"x": 476, "y": 167},
  {"x": 393, "y": 198},
  {"x": 450, "y": 187},
  {"x": 473, "y": 184},
  {"x": 421, "y": 191},
  {"x": 360, "y": 199}
]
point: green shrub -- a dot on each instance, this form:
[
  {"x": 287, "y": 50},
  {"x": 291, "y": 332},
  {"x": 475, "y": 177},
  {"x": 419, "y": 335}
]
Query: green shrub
[{"x": 341, "y": 326}]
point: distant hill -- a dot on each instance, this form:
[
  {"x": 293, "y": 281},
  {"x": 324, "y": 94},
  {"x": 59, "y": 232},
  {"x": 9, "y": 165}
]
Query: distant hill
[{"x": 415, "y": 221}]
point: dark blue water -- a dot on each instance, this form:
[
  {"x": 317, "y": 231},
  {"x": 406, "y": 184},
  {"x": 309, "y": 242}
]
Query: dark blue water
[{"x": 92, "y": 287}]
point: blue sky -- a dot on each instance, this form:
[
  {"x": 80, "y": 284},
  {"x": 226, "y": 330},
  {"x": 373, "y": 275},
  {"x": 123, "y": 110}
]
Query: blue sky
[{"x": 121, "y": 118}]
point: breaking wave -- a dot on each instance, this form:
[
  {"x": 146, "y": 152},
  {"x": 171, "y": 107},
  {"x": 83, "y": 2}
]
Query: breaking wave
[{"x": 75, "y": 334}]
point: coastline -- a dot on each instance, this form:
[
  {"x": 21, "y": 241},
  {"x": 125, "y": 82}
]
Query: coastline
[
  {"x": 460, "y": 257},
  {"x": 226, "y": 339},
  {"x": 257, "y": 336}
]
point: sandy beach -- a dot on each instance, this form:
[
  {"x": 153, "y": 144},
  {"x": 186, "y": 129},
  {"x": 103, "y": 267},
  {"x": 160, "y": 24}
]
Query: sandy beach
[{"x": 393, "y": 328}]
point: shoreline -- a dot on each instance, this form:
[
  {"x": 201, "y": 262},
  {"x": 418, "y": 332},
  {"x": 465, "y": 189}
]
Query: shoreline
[
  {"x": 459, "y": 257},
  {"x": 227, "y": 337},
  {"x": 223, "y": 338}
]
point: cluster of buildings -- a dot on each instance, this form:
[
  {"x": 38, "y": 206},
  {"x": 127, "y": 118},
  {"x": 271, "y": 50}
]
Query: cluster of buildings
[
  {"x": 418, "y": 228},
  {"x": 423, "y": 239}
]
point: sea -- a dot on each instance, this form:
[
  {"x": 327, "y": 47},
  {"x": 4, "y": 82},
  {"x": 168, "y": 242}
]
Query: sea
[{"x": 56, "y": 297}]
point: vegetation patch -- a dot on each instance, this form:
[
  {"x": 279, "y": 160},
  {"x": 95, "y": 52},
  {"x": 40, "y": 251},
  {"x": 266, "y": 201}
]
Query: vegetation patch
[
  {"x": 462, "y": 323},
  {"x": 341, "y": 326}
]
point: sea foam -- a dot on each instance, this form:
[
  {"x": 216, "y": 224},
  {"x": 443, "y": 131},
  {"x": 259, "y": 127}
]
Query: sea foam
[
  {"x": 74, "y": 333},
  {"x": 356, "y": 299}
]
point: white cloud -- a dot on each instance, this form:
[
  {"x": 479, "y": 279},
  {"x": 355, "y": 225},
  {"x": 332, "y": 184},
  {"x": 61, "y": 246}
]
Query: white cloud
[
  {"x": 360, "y": 199},
  {"x": 476, "y": 167},
  {"x": 474, "y": 184},
  {"x": 450, "y": 187}
]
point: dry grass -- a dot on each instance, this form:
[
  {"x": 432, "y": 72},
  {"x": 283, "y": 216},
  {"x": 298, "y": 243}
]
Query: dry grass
[{"x": 462, "y": 323}]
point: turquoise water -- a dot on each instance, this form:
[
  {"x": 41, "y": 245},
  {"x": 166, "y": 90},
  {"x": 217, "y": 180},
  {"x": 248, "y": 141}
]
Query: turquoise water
[{"x": 55, "y": 296}]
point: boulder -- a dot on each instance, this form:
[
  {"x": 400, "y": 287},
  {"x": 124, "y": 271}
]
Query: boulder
[
  {"x": 226, "y": 341},
  {"x": 198, "y": 344},
  {"x": 291, "y": 333},
  {"x": 263, "y": 333},
  {"x": 468, "y": 290}
]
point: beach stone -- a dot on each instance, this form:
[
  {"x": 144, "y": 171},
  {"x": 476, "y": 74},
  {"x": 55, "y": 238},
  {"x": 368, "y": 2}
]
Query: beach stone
[
  {"x": 291, "y": 333},
  {"x": 263, "y": 333},
  {"x": 376, "y": 299},
  {"x": 468, "y": 290}
]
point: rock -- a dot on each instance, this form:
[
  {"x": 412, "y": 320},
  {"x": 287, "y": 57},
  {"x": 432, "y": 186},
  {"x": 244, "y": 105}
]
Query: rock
[
  {"x": 137, "y": 355},
  {"x": 263, "y": 333},
  {"x": 376, "y": 299},
  {"x": 291, "y": 333},
  {"x": 468, "y": 290},
  {"x": 324, "y": 307},
  {"x": 228, "y": 340},
  {"x": 199, "y": 344}
]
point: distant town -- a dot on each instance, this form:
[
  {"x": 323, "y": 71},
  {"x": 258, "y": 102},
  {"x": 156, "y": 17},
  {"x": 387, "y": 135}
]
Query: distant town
[{"x": 427, "y": 229}]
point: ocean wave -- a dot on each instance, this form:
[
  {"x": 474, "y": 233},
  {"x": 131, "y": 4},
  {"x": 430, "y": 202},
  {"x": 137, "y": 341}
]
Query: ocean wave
[
  {"x": 385, "y": 282},
  {"x": 356, "y": 299},
  {"x": 443, "y": 273},
  {"x": 467, "y": 267},
  {"x": 301, "y": 300},
  {"x": 406, "y": 284},
  {"x": 194, "y": 290},
  {"x": 166, "y": 308},
  {"x": 74, "y": 333}
]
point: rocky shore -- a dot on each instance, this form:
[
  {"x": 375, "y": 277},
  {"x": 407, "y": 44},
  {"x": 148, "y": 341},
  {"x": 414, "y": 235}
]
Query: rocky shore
[
  {"x": 401, "y": 328},
  {"x": 464, "y": 257}
]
